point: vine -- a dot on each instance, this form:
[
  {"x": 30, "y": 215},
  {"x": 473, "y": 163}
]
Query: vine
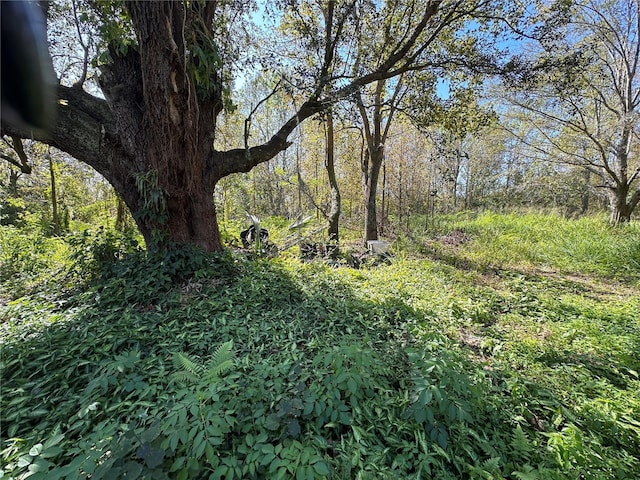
[
  {"x": 154, "y": 208},
  {"x": 206, "y": 67}
]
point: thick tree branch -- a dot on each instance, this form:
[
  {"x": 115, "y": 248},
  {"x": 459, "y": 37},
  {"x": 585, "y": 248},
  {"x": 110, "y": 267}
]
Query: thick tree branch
[
  {"x": 239, "y": 160},
  {"x": 83, "y": 128}
]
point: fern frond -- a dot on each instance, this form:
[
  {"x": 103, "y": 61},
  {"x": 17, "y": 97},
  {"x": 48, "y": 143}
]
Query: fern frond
[
  {"x": 492, "y": 465},
  {"x": 528, "y": 474},
  {"x": 184, "y": 377},
  {"x": 520, "y": 441},
  {"x": 221, "y": 360},
  {"x": 185, "y": 363},
  {"x": 190, "y": 371}
]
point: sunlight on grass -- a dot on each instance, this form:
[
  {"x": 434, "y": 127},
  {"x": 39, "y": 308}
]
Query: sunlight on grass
[
  {"x": 28, "y": 259},
  {"x": 587, "y": 245}
]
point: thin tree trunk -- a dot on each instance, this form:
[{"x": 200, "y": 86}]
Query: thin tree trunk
[
  {"x": 334, "y": 192},
  {"x": 586, "y": 187},
  {"x": 371, "y": 192},
  {"x": 299, "y": 179},
  {"x": 120, "y": 214},
  {"x": 384, "y": 206},
  {"x": 400, "y": 198},
  {"x": 54, "y": 197},
  {"x": 12, "y": 189},
  {"x": 375, "y": 134}
]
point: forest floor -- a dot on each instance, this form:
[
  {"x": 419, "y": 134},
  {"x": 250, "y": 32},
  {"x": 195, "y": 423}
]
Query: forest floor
[{"x": 497, "y": 346}]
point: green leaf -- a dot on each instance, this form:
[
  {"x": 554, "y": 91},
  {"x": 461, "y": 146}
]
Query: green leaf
[
  {"x": 150, "y": 434},
  {"x": 267, "y": 458},
  {"x": 51, "y": 452},
  {"x": 35, "y": 450},
  {"x": 321, "y": 468},
  {"x": 442, "y": 439},
  {"x": 272, "y": 422},
  {"x": 352, "y": 386},
  {"x": 425, "y": 397},
  {"x": 293, "y": 428},
  {"x": 40, "y": 465},
  {"x": 420, "y": 414},
  {"x": 155, "y": 458}
]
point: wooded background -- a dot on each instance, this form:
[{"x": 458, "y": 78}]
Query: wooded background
[{"x": 373, "y": 117}]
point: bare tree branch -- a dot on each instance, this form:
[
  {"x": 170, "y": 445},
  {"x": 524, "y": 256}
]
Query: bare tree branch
[{"x": 23, "y": 163}]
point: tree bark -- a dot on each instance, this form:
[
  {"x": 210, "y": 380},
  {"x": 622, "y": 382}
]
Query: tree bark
[
  {"x": 120, "y": 215},
  {"x": 620, "y": 209},
  {"x": 586, "y": 188},
  {"x": 384, "y": 207},
  {"x": 376, "y": 158},
  {"x": 178, "y": 122},
  {"x": 334, "y": 191},
  {"x": 619, "y": 181}
]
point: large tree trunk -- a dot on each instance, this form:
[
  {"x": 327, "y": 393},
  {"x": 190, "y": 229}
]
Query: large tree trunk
[
  {"x": 191, "y": 219},
  {"x": 620, "y": 210},
  {"x": 178, "y": 124}
]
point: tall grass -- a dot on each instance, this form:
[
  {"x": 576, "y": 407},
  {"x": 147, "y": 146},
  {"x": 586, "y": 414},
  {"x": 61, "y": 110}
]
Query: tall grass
[
  {"x": 588, "y": 245},
  {"x": 28, "y": 259}
]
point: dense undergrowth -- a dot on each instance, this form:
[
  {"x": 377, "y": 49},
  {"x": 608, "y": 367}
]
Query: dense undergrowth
[{"x": 496, "y": 347}]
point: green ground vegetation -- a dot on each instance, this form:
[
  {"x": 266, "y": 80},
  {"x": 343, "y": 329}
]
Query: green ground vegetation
[{"x": 493, "y": 346}]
